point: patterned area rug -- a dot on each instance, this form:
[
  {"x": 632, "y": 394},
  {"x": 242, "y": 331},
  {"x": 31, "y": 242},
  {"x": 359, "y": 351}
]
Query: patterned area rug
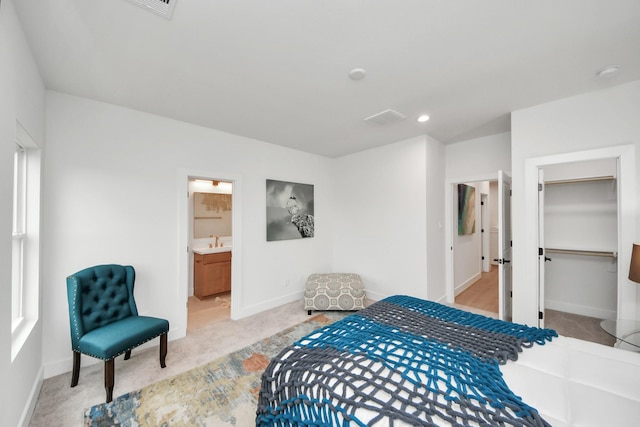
[{"x": 223, "y": 392}]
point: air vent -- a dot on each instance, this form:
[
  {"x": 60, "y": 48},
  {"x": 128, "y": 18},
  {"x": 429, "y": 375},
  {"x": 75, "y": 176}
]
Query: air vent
[
  {"x": 386, "y": 117},
  {"x": 163, "y": 8}
]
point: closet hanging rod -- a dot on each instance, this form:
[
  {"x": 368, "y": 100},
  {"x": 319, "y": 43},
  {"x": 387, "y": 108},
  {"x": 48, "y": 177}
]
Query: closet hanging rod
[
  {"x": 581, "y": 252},
  {"x": 576, "y": 180}
]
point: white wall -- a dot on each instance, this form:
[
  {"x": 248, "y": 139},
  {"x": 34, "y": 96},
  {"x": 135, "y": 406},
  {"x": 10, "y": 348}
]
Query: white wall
[
  {"x": 436, "y": 242},
  {"x": 22, "y": 100},
  {"x": 380, "y": 231},
  {"x": 597, "y": 120},
  {"x": 111, "y": 197},
  {"x": 106, "y": 202},
  {"x": 480, "y": 157}
]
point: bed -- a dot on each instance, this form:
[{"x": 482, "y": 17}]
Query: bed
[{"x": 401, "y": 361}]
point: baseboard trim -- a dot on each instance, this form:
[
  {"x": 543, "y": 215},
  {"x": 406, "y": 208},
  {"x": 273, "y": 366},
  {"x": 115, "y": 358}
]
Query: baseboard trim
[
  {"x": 30, "y": 406},
  {"x": 467, "y": 284},
  {"x": 267, "y": 305},
  {"x": 582, "y": 310}
]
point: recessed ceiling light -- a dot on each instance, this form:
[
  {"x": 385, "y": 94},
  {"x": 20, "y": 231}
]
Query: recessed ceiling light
[
  {"x": 608, "y": 71},
  {"x": 423, "y": 118},
  {"x": 357, "y": 74}
]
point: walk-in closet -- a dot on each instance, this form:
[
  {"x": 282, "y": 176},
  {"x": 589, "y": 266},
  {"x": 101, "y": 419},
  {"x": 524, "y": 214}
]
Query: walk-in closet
[{"x": 581, "y": 240}]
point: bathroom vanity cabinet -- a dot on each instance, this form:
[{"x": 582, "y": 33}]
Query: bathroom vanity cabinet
[{"x": 211, "y": 274}]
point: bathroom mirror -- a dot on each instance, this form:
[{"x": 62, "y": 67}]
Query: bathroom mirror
[{"x": 211, "y": 215}]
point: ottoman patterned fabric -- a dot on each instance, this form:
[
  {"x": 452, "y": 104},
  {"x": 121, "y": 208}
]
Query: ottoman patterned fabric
[{"x": 334, "y": 291}]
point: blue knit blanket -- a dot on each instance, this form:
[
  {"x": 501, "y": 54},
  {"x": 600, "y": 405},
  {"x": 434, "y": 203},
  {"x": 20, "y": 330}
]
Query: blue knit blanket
[{"x": 400, "y": 361}]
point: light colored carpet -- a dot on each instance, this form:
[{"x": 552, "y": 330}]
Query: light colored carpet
[
  {"x": 61, "y": 405},
  {"x": 576, "y": 326}
]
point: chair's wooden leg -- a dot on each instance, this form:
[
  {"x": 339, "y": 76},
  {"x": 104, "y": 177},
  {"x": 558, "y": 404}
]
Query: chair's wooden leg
[
  {"x": 76, "y": 369},
  {"x": 127, "y": 355},
  {"x": 163, "y": 350},
  {"x": 108, "y": 378}
]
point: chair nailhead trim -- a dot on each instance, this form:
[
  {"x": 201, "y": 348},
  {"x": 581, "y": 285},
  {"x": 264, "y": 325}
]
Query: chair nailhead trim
[{"x": 122, "y": 352}]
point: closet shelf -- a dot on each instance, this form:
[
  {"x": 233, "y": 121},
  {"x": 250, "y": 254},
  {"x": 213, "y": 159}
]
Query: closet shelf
[
  {"x": 581, "y": 252},
  {"x": 576, "y": 180}
]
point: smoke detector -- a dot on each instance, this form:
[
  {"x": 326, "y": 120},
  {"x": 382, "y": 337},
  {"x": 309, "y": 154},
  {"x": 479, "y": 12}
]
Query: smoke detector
[
  {"x": 163, "y": 8},
  {"x": 357, "y": 74},
  {"x": 608, "y": 71}
]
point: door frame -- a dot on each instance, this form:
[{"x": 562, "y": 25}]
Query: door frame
[
  {"x": 182, "y": 289},
  {"x": 505, "y": 236},
  {"x": 450, "y": 199},
  {"x": 529, "y": 291}
]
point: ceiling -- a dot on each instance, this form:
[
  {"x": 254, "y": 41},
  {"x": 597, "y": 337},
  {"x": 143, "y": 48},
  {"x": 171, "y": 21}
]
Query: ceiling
[{"x": 278, "y": 70}]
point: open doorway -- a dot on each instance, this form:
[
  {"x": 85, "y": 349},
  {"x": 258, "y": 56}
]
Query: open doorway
[
  {"x": 579, "y": 231},
  {"x": 532, "y": 286},
  {"x": 463, "y": 266},
  {"x": 187, "y": 242},
  {"x": 475, "y": 254},
  {"x": 211, "y": 244}
]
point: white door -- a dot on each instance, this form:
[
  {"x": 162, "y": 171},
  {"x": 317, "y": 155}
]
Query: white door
[
  {"x": 484, "y": 232},
  {"x": 504, "y": 246},
  {"x": 542, "y": 256}
]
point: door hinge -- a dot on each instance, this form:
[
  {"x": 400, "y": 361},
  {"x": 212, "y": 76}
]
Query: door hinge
[
  {"x": 483, "y": 258},
  {"x": 540, "y": 251},
  {"x": 511, "y": 294},
  {"x": 482, "y": 230},
  {"x": 539, "y": 186},
  {"x": 540, "y": 315},
  {"x": 481, "y": 203},
  {"x": 511, "y": 192}
]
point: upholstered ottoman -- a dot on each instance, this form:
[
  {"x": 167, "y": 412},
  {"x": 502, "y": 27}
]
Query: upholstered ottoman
[{"x": 334, "y": 291}]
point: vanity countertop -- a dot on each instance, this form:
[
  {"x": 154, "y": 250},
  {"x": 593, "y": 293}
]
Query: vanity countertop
[{"x": 206, "y": 251}]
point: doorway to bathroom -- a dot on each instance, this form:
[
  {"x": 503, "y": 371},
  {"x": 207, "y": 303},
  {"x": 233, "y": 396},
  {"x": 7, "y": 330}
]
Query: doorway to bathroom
[
  {"x": 211, "y": 243},
  {"x": 209, "y": 270}
]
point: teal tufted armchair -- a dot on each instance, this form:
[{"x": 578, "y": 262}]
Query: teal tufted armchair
[{"x": 104, "y": 319}]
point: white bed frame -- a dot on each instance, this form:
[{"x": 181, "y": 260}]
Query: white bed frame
[{"x": 578, "y": 383}]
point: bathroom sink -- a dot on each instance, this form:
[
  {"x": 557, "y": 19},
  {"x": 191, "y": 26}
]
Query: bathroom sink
[{"x": 205, "y": 251}]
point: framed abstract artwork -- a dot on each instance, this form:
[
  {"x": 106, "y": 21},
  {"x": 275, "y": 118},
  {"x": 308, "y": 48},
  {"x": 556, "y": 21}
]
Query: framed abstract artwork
[
  {"x": 466, "y": 209},
  {"x": 290, "y": 210}
]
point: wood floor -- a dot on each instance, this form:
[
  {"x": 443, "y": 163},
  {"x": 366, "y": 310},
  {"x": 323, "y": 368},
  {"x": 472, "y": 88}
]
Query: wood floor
[
  {"x": 483, "y": 295},
  {"x": 208, "y": 310}
]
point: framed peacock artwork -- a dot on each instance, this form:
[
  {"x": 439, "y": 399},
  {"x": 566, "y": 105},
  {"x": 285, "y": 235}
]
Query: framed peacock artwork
[{"x": 290, "y": 213}]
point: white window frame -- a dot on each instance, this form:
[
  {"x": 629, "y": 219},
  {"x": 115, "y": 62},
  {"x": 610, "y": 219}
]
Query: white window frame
[
  {"x": 18, "y": 235},
  {"x": 25, "y": 273}
]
